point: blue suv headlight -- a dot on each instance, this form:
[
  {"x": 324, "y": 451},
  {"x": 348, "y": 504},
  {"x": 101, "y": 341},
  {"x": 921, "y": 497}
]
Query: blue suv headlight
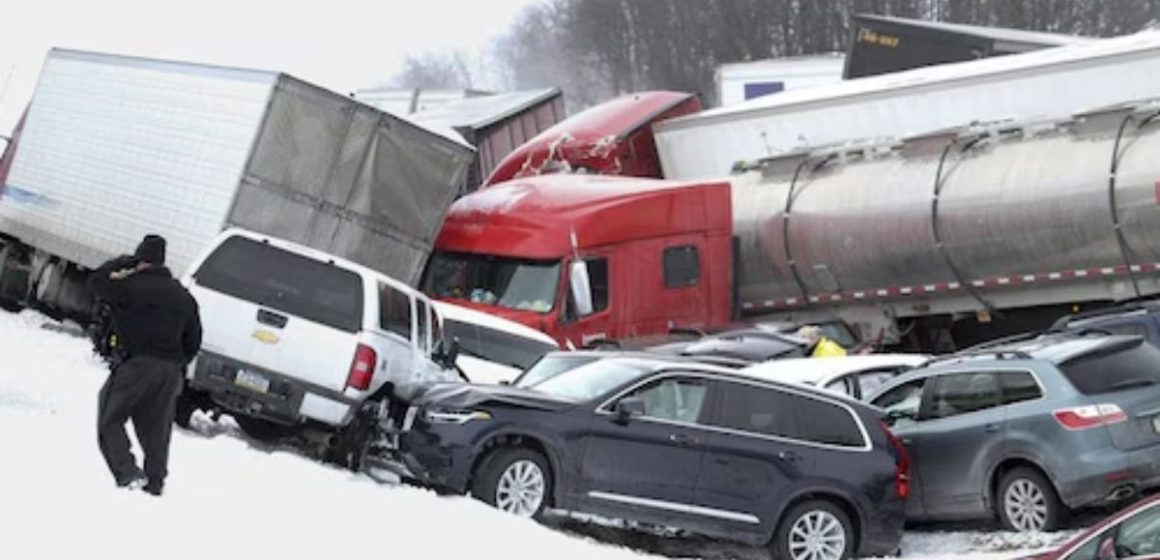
[{"x": 452, "y": 416}]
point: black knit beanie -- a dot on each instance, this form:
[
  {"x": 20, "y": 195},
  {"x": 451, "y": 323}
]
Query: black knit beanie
[{"x": 152, "y": 250}]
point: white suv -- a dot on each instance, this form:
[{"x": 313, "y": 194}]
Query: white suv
[{"x": 297, "y": 339}]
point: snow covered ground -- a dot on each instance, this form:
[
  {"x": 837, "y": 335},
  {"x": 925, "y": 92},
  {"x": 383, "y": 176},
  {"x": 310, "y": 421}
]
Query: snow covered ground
[{"x": 226, "y": 498}]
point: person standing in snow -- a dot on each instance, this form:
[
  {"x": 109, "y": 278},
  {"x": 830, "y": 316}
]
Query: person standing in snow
[{"x": 157, "y": 331}]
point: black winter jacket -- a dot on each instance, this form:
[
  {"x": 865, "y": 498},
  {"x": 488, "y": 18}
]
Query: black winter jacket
[{"x": 153, "y": 315}]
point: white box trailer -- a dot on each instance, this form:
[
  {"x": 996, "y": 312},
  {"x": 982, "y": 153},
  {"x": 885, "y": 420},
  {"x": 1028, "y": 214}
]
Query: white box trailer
[
  {"x": 1051, "y": 82},
  {"x": 742, "y": 81},
  {"x": 116, "y": 147}
]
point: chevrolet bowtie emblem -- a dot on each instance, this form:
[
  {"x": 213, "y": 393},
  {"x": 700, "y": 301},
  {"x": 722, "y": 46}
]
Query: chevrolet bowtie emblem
[{"x": 266, "y": 336}]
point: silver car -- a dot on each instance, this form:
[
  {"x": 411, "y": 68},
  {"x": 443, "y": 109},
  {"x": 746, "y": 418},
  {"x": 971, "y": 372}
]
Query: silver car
[{"x": 1031, "y": 430}]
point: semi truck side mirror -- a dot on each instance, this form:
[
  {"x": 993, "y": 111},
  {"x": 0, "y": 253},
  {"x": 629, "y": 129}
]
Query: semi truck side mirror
[{"x": 581, "y": 287}]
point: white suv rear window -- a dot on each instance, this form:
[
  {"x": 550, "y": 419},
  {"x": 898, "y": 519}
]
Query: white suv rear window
[{"x": 285, "y": 281}]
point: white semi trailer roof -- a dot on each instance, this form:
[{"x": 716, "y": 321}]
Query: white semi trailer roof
[{"x": 1048, "y": 82}]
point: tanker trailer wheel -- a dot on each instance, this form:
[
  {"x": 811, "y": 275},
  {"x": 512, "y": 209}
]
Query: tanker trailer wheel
[
  {"x": 49, "y": 283},
  {"x": 13, "y": 278}
]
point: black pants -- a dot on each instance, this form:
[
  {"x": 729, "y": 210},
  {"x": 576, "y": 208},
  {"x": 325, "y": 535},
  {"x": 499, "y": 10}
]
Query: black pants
[{"x": 145, "y": 390}]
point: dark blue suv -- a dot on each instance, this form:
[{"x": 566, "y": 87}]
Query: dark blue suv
[{"x": 683, "y": 445}]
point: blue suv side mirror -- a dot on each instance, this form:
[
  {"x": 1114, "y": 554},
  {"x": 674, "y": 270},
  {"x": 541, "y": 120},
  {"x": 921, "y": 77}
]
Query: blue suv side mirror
[{"x": 627, "y": 408}]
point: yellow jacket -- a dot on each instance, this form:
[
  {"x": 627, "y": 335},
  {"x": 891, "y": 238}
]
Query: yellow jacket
[{"x": 826, "y": 348}]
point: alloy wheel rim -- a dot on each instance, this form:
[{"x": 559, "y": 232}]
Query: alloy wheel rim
[
  {"x": 521, "y": 489},
  {"x": 1026, "y": 506},
  {"x": 817, "y": 535}
]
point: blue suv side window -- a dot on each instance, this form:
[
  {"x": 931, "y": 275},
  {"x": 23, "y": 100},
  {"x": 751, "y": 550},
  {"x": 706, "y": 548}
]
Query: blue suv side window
[
  {"x": 757, "y": 410},
  {"x": 767, "y": 411},
  {"x": 676, "y": 399}
]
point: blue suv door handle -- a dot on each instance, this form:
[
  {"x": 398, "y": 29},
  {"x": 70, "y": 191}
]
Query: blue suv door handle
[
  {"x": 992, "y": 428},
  {"x": 683, "y": 439},
  {"x": 789, "y": 456}
]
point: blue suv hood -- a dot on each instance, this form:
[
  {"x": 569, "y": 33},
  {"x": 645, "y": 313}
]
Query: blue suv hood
[{"x": 461, "y": 395}]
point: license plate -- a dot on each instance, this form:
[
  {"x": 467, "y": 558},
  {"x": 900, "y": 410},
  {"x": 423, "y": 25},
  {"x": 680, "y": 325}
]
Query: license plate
[
  {"x": 409, "y": 419},
  {"x": 252, "y": 381},
  {"x": 1156, "y": 424}
]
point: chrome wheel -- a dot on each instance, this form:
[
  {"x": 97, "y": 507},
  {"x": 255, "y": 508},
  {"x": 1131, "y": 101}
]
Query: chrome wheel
[
  {"x": 817, "y": 535},
  {"x": 520, "y": 489},
  {"x": 1025, "y": 505}
]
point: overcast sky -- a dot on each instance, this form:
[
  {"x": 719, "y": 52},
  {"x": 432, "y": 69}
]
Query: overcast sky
[{"x": 340, "y": 44}]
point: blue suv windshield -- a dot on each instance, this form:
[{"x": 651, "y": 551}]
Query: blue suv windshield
[
  {"x": 550, "y": 366},
  {"x": 591, "y": 380}
]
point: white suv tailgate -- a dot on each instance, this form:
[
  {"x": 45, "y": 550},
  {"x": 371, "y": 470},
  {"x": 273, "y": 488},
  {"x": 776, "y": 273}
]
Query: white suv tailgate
[{"x": 280, "y": 311}]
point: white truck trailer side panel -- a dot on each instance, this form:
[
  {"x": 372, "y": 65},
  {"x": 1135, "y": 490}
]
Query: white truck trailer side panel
[
  {"x": 117, "y": 147},
  {"x": 790, "y": 74},
  {"x": 1050, "y": 82}
]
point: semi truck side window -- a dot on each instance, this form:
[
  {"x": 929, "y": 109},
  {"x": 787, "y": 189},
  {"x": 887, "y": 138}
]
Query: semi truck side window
[
  {"x": 394, "y": 311},
  {"x": 682, "y": 267},
  {"x": 597, "y": 286},
  {"x": 598, "y": 279}
]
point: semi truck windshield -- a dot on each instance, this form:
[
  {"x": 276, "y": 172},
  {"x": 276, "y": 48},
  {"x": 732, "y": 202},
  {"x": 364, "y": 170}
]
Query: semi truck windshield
[{"x": 527, "y": 285}]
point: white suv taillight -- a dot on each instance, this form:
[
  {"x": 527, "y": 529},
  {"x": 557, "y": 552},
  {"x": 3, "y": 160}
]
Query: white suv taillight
[
  {"x": 362, "y": 370},
  {"x": 1090, "y": 416}
]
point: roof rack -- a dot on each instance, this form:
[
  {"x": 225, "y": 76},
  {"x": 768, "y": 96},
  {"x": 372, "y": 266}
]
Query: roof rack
[
  {"x": 986, "y": 348},
  {"x": 998, "y": 354},
  {"x": 1121, "y": 306},
  {"x": 1020, "y": 337},
  {"x": 1030, "y": 335}
]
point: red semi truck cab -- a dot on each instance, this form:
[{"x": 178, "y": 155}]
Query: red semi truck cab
[{"x": 585, "y": 258}]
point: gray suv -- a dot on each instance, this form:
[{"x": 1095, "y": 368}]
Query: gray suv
[{"x": 1030, "y": 430}]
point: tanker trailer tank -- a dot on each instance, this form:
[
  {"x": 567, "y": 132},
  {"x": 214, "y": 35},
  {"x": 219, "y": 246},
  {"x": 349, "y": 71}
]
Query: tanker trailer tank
[{"x": 964, "y": 223}]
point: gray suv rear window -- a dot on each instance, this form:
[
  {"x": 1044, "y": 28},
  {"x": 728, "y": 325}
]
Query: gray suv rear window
[
  {"x": 281, "y": 280},
  {"x": 1117, "y": 369}
]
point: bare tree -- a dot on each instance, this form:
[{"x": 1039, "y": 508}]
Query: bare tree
[
  {"x": 594, "y": 49},
  {"x": 430, "y": 70}
]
